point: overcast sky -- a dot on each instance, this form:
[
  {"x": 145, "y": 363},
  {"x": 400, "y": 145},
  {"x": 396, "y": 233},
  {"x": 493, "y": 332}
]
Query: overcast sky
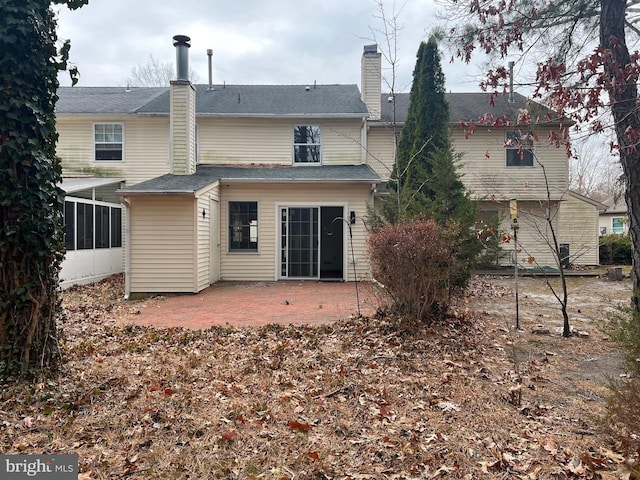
[{"x": 253, "y": 41}]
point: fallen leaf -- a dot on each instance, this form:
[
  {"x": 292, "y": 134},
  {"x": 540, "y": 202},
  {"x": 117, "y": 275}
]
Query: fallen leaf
[
  {"x": 575, "y": 466},
  {"x": 295, "y": 425},
  {"x": 550, "y": 446},
  {"x": 448, "y": 406},
  {"x": 229, "y": 435}
]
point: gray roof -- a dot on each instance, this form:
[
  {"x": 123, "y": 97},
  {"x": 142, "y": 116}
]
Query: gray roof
[
  {"x": 105, "y": 99},
  {"x": 468, "y": 107},
  {"x": 208, "y": 174},
  {"x": 268, "y": 100},
  {"x": 223, "y": 100}
]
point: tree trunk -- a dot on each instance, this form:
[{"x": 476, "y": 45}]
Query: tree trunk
[
  {"x": 30, "y": 232},
  {"x": 623, "y": 96}
]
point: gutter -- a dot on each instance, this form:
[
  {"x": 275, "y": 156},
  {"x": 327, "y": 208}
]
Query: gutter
[
  {"x": 127, "y": 250},
  {"x": 328, "y": 116}
]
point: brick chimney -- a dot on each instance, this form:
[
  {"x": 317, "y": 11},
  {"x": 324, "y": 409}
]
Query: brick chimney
[
  {"x": 182, "y": 113},
  {"x": 371, "y": 67}
]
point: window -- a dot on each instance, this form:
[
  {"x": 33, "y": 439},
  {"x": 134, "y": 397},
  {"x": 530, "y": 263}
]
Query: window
[
  {"x": 519, "y": 148},
  {"x": 84, "y": 226},
  {"x": 108, "y": 141},
  {"x": 306, "y": 144},
  {"x": 116, "y": 227},
  {"x": 88, "y": 226},
  {"x": 243, "y": 226},
  {"x": 69, "y": 219},
  {"x": 102, "y": 226},
  {"x": 617, "y": 225}
]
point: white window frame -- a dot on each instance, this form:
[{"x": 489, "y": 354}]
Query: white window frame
[
  {"x": 514, "y": 145},
  {"x": 613, "y": 230},
  {"x": 121, "y": 142},
  {"x": 318, "y": 144}
]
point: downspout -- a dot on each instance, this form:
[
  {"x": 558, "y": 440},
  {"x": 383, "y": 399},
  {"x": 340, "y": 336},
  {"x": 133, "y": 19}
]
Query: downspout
[
  {"x": 127, "y": 248},
  {"x": 363, "y": 141}
]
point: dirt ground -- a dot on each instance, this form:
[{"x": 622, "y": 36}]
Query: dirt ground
[{"x": 356, "y": 398}]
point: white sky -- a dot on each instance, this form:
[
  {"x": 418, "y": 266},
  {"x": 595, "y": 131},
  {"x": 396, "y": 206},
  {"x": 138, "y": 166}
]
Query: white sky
[{"x": 253, "y": 41}]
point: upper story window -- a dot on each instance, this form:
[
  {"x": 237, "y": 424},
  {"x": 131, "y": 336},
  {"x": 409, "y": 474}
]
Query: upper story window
[
  {"x": 306, "y": 144},
  {"x": 617, "y": 225},
  {"x": 108, "y": 139},
  {"x": 243, "y": 226},
  {"x": 519, "y": 149}
]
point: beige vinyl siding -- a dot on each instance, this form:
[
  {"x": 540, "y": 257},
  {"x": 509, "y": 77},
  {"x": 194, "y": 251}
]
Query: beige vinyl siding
[
  {"x": 146, "y": 147},
  {"x": 203, "y": 254},
  {"x": 579, "y": 228},
  {"x": 381, "y": 150},
  {"x": 270, "y": 141},
  {"x": 183, "y": 153},
  {"x": 264, "y": 264},
  {"x": 162, "y": 245},
  {"x": 204, "y": 235},
  {"x": 485, "y": 174},
  {"x": 533, "y": 235}
]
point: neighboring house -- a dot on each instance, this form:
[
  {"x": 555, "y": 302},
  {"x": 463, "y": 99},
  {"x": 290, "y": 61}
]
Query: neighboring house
[
  {"x": 263, "y": 182},
  {"x": 492, "y": 171},
  {"x": 613, "y": 219}
]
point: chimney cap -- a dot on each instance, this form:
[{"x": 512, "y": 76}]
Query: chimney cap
[{"x": 181, "y": 40}]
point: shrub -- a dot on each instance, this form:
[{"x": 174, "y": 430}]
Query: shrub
[
  {"x": 491, "y": 239},
  {"x": 615, "y": 249},
  {"x": 623, "y": 405},
  {"x": 415, "y": 261}
]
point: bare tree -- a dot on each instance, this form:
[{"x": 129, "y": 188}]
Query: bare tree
[
  {"x": 594, "y": 171},
  {"x": 586, "y": 70},
  {"x": 155, "y": 74}
]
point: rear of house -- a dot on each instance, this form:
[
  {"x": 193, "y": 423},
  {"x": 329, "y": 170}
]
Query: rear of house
[{"x": 193, "y": 184}]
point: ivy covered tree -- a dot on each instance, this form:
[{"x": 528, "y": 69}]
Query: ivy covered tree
[
  {"x": 425, "y": 177},
  {"x": 30, "y": 197}
]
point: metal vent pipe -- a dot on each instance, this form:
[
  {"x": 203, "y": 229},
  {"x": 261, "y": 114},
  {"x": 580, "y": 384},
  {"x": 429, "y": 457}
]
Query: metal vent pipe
[{"x": 182, "y": 44}]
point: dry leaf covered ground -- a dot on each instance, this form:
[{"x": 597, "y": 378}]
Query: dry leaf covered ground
[{"x": 356, "y": 399}]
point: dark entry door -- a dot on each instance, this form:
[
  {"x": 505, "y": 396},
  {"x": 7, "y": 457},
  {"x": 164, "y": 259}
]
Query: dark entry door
[{"x": 332, "y": 243}]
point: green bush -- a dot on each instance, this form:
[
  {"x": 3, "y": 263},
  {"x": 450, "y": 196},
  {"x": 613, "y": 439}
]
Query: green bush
[
  {"x": 623, "y": 404},
  {"x": 615, "y": 249},
  {"x": 491, "y": 239},
  {"x": 416, "y": 262}
]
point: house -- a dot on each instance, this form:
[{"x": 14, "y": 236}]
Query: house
[
  {"x": 495, "y": 171},
  {"x": 613, "y": 218},
  {"x": 263, "y": 182},
  {"x": 228, "y": 182}
]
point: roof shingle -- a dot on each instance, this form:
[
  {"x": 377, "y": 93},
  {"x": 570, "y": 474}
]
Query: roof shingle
[{"x": 209, "y": 174}]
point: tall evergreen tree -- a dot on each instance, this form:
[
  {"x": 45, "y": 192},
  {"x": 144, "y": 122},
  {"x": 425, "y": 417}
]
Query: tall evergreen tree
[
  {"x": 30, "y": 240},
  {"x": 425, "y": 177}
]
